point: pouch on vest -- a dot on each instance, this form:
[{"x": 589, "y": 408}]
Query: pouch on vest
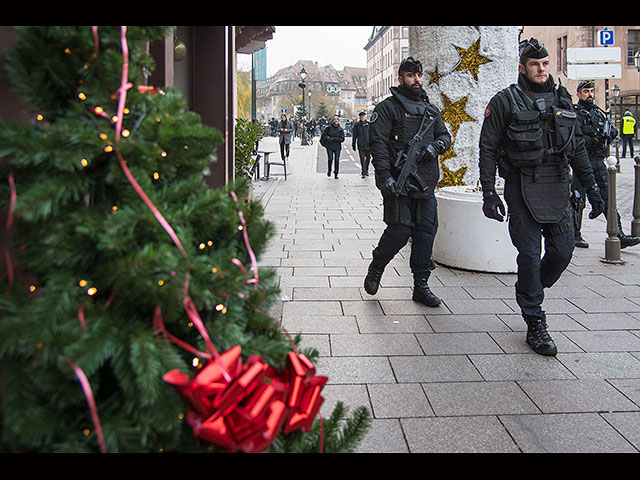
[
  {"x": 396, "y": 209},
  {"x": 546, "y": 191},
  {"x": 525, "y": 146},
  {"x": 565, "y": 127}
]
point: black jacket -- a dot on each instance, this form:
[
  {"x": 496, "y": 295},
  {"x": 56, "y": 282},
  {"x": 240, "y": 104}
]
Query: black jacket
[
  {"x": 592, "y": 121},
  {"x": 393, "y": 124},
  {"x": 493, "y": 136},
  {"x": 360, "y": 135},
  {"x": 332, "y": 137}
]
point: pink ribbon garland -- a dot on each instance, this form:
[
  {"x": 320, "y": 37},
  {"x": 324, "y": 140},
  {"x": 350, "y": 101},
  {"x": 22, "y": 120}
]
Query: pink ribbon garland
[
  {"x": 96, "y": 43},
  {"x": 159, "y": 325},
  {"x": 124, "y": 82},
  {"x": 189, "y": 306},
  {"x": 245, "y": 235},
  {"x": 81, "y": 318},
  {"x": 12, "y": 207},
  {"x": 88, "y": 393}
]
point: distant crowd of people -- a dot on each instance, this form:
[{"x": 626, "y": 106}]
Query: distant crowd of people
[
  {"x": 314, "y": 127},
  {"x": 332, "y": 135}
]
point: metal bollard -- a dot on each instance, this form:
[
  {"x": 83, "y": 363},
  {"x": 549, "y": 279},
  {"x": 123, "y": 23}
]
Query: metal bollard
[
  {"x": 635, "y": 223},
  {"x": 612, "y": 243}
]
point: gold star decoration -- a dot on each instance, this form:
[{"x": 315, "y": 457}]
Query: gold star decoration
[
  {"x": 453, "y": 112},
  {"x": 435, "y": 76},
  {"x": 470, "y": 59},
  {"x": 451, "y": 178},
  {"x": 450, "y": 153}
]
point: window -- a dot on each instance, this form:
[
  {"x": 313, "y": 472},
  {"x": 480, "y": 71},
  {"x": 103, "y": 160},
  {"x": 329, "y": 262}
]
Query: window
[
  {"x": 561, "y": 54},
  {"x": 633, "y": 45}
]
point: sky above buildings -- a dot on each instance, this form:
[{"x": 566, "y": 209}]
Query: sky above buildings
[{"x": 339, "y": 46}]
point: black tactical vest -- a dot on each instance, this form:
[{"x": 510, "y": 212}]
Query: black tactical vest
[
  {"x": 402, "y": 132},
  {"x": 539, "y": 141},
  {"x": 593, "y": 126}
]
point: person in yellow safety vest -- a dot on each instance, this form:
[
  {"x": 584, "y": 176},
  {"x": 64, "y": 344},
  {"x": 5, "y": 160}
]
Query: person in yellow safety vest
[{"x": 628, "y": 133}]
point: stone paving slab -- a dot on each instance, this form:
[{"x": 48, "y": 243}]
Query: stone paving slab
[
  {"x": 566, "y": 433},
  {"x": 459, "y": 377},
  {"x": 576, "y": 396},
  {"x": 478, "y": 398},
  {"x": 478, "y": 434}
]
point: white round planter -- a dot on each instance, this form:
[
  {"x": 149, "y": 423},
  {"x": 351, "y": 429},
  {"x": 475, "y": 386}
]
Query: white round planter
[{"x": 468, "y": 240}]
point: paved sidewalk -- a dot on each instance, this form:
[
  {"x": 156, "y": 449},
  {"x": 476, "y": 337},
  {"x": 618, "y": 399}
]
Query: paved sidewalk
[{"x": 457, "y": 378}]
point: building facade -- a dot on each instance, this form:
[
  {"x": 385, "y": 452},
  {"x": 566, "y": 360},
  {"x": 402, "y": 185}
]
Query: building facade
[
  {"x": 386, "y": 48},
  {"x": 342, "y": 92}
]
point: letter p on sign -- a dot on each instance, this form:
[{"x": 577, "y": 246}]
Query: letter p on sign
[{"x": 605, "y": 37}]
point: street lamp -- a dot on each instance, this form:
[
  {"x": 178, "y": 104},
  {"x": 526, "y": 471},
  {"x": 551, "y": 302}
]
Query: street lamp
[{"x": 302, "y": 85}]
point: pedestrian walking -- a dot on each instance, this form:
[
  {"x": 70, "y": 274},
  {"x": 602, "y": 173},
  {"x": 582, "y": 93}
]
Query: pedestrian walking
[
  {"x": 598, "y": 134},
  {"x": 360, "y": 141},
  {"x": 412, "y": 212},
  {"x": 332, "y": 139},
  {"x": 285, "y": 129},
  {"x": 628, "y": 133},
  {"x": 516, "y": 139},
  {"x": 311, "y": 128},
  {"x": 322, "y": 124}
]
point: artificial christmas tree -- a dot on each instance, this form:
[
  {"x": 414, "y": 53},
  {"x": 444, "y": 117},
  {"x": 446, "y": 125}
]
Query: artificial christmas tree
[{"x": 127, "y": 280}]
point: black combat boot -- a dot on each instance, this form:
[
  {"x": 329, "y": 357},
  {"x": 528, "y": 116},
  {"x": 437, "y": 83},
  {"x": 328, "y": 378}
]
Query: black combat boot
[
  {"x": 538, "y": 338},
  {"x": 372, "y": 280},
  {"x": 627, "y": 241},
  {"x": 423, "y": 294},
  {"x": 581, "y": 242}
]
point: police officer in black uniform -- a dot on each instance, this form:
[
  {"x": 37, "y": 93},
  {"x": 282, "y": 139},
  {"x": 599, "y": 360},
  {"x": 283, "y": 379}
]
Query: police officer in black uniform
[
  {"x": 598, "y": 133},
  {"x": 531, "y": 135},
  {"x": 393, "y": 124}
]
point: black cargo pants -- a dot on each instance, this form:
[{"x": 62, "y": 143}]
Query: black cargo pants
[
  {"x": 407, "y": 217},
  {"x": 535, "y": 273}
]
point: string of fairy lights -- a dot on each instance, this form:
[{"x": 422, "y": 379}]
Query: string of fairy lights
[{"x": 40, "y": 118}]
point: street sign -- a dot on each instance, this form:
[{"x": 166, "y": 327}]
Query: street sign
[
  {"x": 594, "y": 55},
  {"x": 594, "y": 62},
  {"x": 594, "y": 71},
  {"x": 605, "y": 37}
]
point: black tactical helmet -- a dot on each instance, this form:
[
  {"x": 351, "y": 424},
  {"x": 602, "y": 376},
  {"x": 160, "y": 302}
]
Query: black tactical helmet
[
  {"x": 410, "y": 65},
  {"x": 532, "y": 48},
  {"x": 586, "y": 84}
]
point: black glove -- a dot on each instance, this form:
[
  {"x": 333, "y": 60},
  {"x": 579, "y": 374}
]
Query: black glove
[
  {"x": 596, "y": 201},
  {"x": 492, "y": 206},
  {"x": 430, "y": 152},
  {"x": 388, "y": 187}
]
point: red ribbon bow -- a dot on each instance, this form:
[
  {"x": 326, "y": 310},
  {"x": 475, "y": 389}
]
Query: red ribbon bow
[{"x": 248, "y": 411}]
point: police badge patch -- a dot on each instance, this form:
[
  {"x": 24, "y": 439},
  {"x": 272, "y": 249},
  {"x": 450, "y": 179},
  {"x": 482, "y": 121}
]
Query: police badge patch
[{"x": 374, "y": 117}]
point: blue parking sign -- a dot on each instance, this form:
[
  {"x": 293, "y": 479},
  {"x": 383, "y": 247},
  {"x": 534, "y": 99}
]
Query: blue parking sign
[{"x": 605, "y": 37}]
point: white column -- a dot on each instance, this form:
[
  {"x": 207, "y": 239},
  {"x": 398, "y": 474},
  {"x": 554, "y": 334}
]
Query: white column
[{"x": 464, "y": 67}]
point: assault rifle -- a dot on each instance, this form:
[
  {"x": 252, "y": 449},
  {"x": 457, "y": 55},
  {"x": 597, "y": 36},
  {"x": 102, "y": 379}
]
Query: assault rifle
[
  {"x": 410, "y": 159},
  {"x": 608, "y": 130}
]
